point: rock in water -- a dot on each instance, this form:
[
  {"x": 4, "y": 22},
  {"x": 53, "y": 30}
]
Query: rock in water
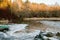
[
  {"x": 40, "y": 36},
  {"x": 49, "y": 34},
  {"x": 58, "y": 34}
]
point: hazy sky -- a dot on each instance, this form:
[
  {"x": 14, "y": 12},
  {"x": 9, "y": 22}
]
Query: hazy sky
[{"x": 48, "y": 2}]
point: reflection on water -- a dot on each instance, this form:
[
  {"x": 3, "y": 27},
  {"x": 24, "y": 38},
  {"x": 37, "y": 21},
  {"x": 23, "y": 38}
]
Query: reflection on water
[
  {"x": 51, "y": 23},
  {"x": 20, "y": 32},
  {"x": 53, "y": 26}
]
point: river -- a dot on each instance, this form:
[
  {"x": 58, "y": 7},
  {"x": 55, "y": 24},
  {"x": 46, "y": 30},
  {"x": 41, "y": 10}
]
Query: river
[{"x": 29, "y": 31}]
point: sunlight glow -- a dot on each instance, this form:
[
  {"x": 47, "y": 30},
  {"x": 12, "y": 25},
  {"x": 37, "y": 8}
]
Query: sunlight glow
[
  {"x": 13, "y": 1},
  {"x": 48, "y": 2}
]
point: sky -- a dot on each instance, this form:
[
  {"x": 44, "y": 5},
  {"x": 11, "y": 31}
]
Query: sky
[{"x": 48, "y": 2}]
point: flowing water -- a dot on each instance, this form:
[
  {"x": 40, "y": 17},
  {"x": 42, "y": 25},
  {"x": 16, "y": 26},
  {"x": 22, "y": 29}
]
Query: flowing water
[{"x": 29, "y": 31}]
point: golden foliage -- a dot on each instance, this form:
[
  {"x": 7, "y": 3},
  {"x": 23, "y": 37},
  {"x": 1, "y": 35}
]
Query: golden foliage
[{"x": 18, "y": 5}]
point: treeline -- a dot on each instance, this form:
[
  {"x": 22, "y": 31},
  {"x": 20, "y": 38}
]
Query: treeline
[
  {"x": 45, "y": 14},
  {"x": 18, "y": 17}
]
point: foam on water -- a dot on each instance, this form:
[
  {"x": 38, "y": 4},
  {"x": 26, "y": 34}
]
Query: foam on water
[
  {"x": 24, "y": 35},
  {"x": 15, "y": 27}
]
